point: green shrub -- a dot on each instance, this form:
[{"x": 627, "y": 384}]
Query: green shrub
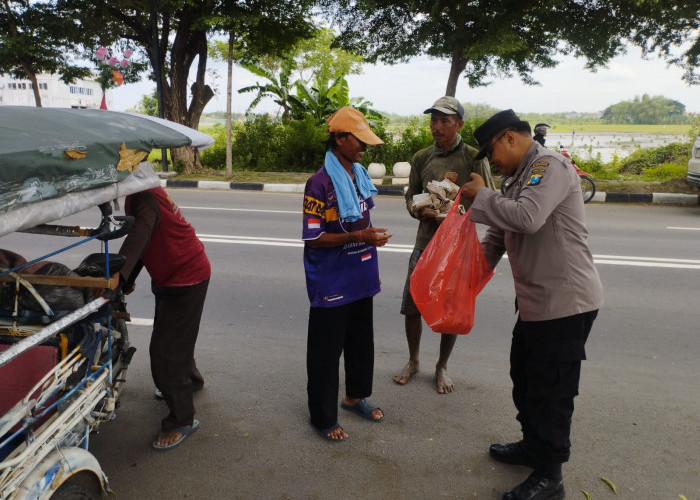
[
  {"x": 677, "y": 152},
  {"x": 665, "y": 172},
  {"x": 414, "y": 137},
  {"x": 593, "y": 166},
  {"x": 467, "y": 132},
  {"x": 265, "y": 145},
  {"x": 214, "y": 156},
  {"x": 302, "y": 146}
]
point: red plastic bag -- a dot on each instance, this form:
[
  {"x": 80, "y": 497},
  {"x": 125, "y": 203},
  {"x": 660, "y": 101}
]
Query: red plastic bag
[{"x": 450, "y": 274}]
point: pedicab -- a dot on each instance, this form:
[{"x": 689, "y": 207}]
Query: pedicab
[{"x": 64, "y": 344}]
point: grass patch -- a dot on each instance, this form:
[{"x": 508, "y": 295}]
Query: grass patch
[
  {"x": 247, "y": 176},
  {"x": 591, "y": 128}
]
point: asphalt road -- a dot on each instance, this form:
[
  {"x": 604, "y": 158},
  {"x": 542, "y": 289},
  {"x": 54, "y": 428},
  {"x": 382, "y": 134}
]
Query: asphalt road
[{"x": 636, "y": 420}]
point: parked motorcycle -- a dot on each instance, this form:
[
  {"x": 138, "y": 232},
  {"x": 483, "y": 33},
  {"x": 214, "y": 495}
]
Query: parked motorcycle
[{"x": 588, "y": 187}]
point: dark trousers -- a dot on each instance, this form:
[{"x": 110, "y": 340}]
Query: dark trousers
[
  {"x": 175, "y": 330},
  {"x": 545, "y": 367},
  {"x": 347, "y": 330}
]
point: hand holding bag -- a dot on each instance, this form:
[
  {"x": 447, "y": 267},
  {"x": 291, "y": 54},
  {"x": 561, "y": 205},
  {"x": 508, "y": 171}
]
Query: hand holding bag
[{"x": 450, "y": 274}]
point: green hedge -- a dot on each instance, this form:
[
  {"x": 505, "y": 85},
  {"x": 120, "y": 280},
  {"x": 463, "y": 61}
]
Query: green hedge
[
  {"x": 266, "y": 145},
  {"x": 677, "y": 152}
]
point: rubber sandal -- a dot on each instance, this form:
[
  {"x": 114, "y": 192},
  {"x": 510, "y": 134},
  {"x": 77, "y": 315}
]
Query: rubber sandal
[
  {"x": 184, "y": 432},
  {"x": 363, "y": 409},
  {"x": 324, "y": 432}
]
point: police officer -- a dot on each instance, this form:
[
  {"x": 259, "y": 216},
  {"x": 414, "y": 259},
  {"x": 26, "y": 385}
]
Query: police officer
[
  {"x": 540, "y": 223},
  {"x": 541, "y": 132}
]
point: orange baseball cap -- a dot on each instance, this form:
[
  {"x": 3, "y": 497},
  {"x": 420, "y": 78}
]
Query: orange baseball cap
[{"x": 348, "y": 119}]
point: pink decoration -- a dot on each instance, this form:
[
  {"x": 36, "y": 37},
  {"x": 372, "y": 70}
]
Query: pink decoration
[
  {"x": 101, "y": 53},
  {"x": 127, "y": 53},
  {"x": 113, "y": 61}
]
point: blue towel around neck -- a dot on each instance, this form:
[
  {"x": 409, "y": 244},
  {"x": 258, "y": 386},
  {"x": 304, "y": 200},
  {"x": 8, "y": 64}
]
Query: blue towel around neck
[{"x": 348, "y": 204}]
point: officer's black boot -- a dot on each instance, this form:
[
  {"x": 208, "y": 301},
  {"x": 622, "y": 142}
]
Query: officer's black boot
[
  {"x": 513, "y": 453},
  {"x": 543, "y": 484}
]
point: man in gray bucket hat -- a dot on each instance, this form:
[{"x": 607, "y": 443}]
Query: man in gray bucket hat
[
  {"x": 448, "y": 158},
  {"x": 540, "y": 223}
]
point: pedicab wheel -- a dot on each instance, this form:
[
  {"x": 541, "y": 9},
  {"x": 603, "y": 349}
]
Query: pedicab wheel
[
  {"x": 587, "y": 188},
  {"x": 72, "y": 491}
]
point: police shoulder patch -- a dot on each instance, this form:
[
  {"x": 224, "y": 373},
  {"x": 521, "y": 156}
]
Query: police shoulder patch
[
  {"x": 541, "y": 163},
  {"x": 534, "y": 180}
]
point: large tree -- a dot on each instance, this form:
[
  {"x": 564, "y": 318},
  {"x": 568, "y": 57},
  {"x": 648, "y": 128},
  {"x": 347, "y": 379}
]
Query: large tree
[
  {"x": 36, "y": 38},
  {"x": 671, "y": 28},
  {"x": 486, "y": 39},
  {"x": 646, "y": 110},
  {"x": 183, "y": 28}
]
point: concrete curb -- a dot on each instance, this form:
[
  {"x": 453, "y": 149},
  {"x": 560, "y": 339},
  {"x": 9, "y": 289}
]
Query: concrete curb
[{"x": 600, "y": 197}]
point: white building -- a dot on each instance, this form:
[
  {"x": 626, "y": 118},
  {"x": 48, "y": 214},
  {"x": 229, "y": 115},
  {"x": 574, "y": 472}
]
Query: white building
[{"x": 54, "y": 92}]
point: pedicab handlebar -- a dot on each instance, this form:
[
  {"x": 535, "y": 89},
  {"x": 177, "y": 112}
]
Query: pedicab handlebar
[{"x": 103, "y": 232}]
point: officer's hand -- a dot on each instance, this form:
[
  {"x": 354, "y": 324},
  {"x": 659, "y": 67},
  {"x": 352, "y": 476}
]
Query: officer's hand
[{"x": 471, "y": 188}]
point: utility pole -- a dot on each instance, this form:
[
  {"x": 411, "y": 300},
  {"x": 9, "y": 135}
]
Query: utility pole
[{"x": 158, "y": 70}]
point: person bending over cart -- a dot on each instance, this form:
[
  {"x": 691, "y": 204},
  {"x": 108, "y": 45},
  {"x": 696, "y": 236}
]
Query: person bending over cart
[{"x": 165, "y": 243}]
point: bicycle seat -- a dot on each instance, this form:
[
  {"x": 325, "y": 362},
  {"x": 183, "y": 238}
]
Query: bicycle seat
[{"x": 94, "y": 265}]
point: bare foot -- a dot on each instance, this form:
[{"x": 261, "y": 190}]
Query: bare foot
[
  {"x": 337, "y": 434},
  {"x": 167, "y": 438},
  {"x": 407, "y": 373},
  {"x": 443, "y": 382}
]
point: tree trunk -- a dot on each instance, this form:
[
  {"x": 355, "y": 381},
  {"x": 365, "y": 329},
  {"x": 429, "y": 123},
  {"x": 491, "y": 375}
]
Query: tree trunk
[
  {"x": 229, "y": 89},
  {"x": 35, "y": 85},
  {"x": 458, "y": 63},
  {"x": 26, "y": 66},
  {"x": 456, "y": 69},
  {"x": 188, "y": 46}
]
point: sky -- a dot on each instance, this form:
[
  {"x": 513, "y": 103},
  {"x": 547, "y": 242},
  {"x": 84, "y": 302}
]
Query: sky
[{"x": 410, "y": 88}]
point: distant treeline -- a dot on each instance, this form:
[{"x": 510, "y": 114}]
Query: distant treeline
[
  {"x": 649, "y": 110},
  {"x": 642, "y": 110}
]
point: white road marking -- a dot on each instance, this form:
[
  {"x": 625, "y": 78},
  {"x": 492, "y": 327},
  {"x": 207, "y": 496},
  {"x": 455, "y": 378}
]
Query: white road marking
[
  {"x": 141, "y": 321},
  {"x": 684, "y": 228},
  {"x": 618, "y": 260},
  {"x": 244, "y": 210}
]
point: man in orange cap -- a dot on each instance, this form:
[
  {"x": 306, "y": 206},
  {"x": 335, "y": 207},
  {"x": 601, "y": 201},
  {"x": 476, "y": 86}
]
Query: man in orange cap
[{"x": 342, "y": 276}]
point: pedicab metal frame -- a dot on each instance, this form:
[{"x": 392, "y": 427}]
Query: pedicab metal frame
[{"x": 54, "y": 452}]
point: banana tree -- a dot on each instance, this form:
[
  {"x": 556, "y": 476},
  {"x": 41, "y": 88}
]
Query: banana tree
[
  {"x": 325, "y": 96},
  {"x": 279, "y": 89}
]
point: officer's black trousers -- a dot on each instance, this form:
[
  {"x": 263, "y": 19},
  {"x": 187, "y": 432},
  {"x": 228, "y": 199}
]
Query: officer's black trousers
[
  {"x": 347, "y": 330},
  {"x": 545, "y": 365}
]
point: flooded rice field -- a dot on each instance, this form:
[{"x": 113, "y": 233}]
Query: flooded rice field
[{"x": 609, "y": 144}]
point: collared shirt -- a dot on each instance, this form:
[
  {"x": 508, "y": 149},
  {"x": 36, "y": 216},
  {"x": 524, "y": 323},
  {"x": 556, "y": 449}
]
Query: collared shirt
[
  {"x": 455, "y": 163},
  {"x": 540, "y": 222}
]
